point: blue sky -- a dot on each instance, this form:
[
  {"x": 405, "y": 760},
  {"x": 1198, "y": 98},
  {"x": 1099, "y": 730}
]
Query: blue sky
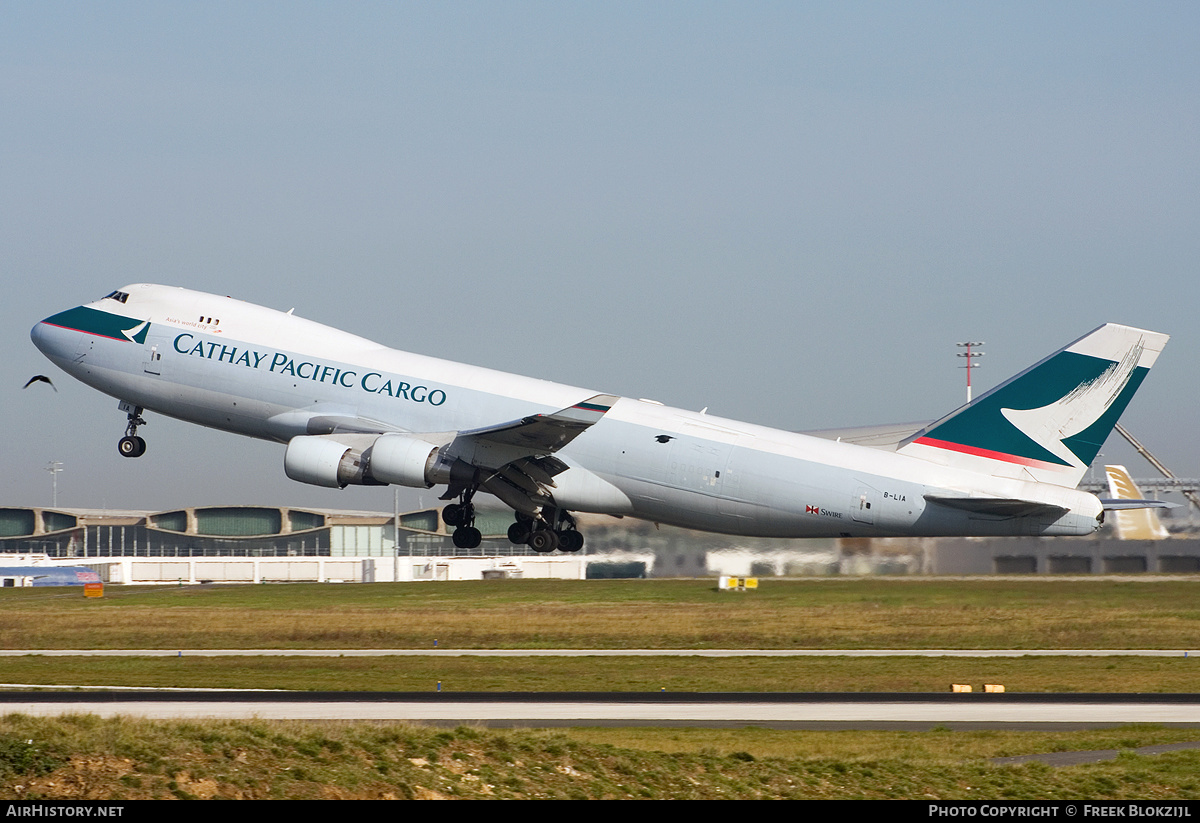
[{"x": 786, "y": 212}]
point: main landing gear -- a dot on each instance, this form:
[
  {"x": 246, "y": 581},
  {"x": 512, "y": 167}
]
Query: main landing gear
[
  {"x": 552, "y": 529},
  {"x": 461, "y": 515},
  {"x": 131, "y": 445},
  {"x": 540, "y": 536}
]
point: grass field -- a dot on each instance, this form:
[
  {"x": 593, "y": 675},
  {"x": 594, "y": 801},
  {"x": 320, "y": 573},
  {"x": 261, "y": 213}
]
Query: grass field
[
  {"x": 616, "y": 614},
  {"x": 690, "y": 674},
  {"x": 124, "y": 758},
  {"x": 87, "y": 757}
]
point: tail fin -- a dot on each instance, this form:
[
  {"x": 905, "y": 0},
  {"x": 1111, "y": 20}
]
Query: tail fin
[
  {"x": 1049, "y": 422},
  {"x": 1132, "y": 524}
]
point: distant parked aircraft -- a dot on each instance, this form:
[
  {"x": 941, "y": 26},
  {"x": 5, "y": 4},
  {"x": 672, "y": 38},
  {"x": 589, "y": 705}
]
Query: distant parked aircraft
[
  {"x": 19, "y": 576},
  {"x": 1132, "y": 524}
]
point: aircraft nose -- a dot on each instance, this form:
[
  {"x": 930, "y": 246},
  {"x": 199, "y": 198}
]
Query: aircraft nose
[
  {"x": 50, "y": 338},
  {"x": 39, "y": 336}
]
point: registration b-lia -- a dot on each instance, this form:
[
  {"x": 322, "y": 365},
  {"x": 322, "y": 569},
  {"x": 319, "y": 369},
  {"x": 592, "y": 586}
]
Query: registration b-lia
[{"x": 354, "y": 412}]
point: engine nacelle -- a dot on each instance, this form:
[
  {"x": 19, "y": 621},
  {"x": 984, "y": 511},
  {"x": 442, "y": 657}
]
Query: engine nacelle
[
  {"x": 330, "y": 461},
  {"x": 337, "y": 460},
  {"x": 403, "y": 460}
]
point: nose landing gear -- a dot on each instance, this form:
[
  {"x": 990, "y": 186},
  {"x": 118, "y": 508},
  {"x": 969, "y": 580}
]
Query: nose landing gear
[{"x": 131, "y": 445}]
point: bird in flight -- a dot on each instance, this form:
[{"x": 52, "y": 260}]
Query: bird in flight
[{"x": 40, "y": 378}]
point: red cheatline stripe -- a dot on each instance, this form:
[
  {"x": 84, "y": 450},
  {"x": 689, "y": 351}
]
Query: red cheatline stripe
[{"x": 978, "y": 452}]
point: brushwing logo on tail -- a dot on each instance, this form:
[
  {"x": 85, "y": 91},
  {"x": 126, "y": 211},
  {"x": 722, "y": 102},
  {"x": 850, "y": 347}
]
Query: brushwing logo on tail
[
  {"x": 1049, "y": 422},
  {"x": 1035, "y": 420},
  {"x": 1060, "y": 426}
]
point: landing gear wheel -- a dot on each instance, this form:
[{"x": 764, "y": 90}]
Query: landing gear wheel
[
  {"x": 467, "y": 537},
  {"x": 543, "y": 540},
  {"x": 570, "y": 541},
  {"x": 454, "y": 515},
  {"x": 131, "y": 446},
  {"x": 519, "y": 532}
]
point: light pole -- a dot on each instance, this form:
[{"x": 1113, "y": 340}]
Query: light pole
[
  {"x": 54, "y": 468},
  {"x": 971, "y": 364}
]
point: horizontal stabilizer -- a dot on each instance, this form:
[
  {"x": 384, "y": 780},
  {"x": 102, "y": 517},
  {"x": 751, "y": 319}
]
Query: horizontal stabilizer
[
  {"x": 999, "y": 506},
  {"x": 1116, "y": 505}
]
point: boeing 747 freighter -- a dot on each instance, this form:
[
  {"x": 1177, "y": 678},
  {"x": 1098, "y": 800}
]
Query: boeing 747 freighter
[{"x": 351, "y": 411}]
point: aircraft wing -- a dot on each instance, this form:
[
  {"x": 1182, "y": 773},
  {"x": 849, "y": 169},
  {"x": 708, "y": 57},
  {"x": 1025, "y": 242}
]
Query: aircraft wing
[
  {"x": 535, "y": 436},
  {"x": 516, "y": 457},
  {"x": 887, "y": 437},
  {"x": 541, "y": 434}
]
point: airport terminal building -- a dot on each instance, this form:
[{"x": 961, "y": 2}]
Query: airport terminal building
[
  {"x": 268, "y": 544},
  {"x": 257, "y": 544}
]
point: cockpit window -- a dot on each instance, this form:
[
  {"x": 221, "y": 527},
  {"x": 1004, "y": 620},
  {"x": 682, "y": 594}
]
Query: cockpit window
[{"x": 119, "y": 296}]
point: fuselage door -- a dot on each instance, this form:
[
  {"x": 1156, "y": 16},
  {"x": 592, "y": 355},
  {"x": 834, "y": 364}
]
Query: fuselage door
[
  {"x": 863, "y": 505},
  {"x": 153, "y": 361}
]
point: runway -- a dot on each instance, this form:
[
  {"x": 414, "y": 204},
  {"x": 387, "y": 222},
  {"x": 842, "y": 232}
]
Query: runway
[
  {"x": 795, "y": 711},
  {"x": 791, "y": 711}
]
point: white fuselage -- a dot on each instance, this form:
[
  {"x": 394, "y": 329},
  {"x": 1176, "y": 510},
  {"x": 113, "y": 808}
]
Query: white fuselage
[{"x": 255, "y": 371}]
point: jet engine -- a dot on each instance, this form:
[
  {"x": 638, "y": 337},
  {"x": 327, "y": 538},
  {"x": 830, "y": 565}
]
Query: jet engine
[
  {"x": 403, "y": 460},
  {"x": 330, "y": 461},
  {"x": 338, "y": 460},
  {"x": 410, "y": 461}
]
